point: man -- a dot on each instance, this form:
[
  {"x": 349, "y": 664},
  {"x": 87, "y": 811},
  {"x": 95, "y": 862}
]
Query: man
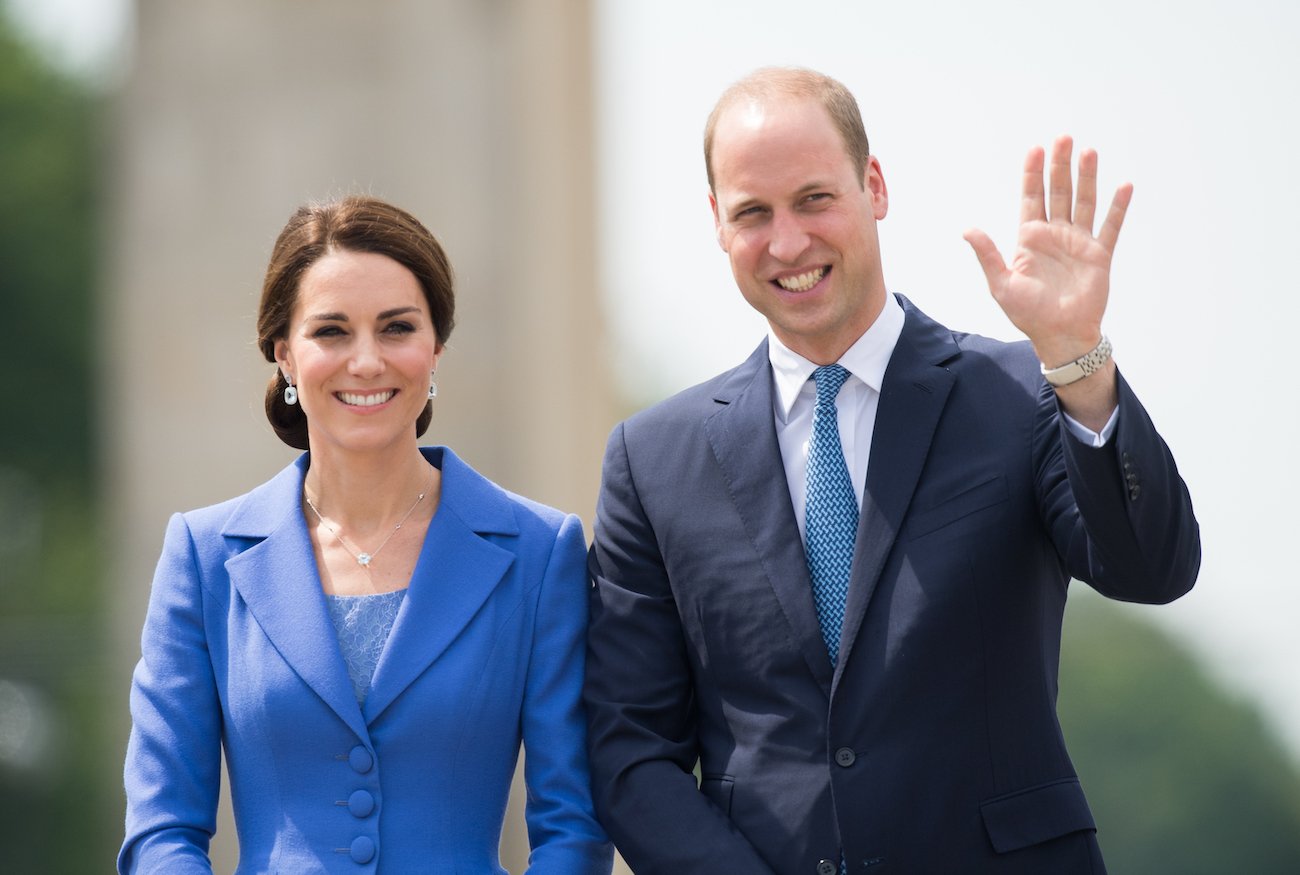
[{"x": 835, "y": 575}]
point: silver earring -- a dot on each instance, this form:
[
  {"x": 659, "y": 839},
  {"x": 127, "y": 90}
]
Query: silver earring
[
  {"x": 433, "y": 384},
  {"x": 290, "y": 393}
]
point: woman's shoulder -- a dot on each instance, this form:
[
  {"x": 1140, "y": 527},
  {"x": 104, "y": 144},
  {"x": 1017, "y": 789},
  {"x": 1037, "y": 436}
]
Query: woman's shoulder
[
  {"x": 254, "y": 512},
  {"x": 486, "y": 504}
]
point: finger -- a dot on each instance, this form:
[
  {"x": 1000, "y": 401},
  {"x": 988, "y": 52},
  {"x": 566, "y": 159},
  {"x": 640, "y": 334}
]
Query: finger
[
  {"x": 1031, "y": 187},
  {"x": 989, "y": 257},
  {"x": 1109, "y": 233},
  {"x": 1059, "y": 193},
  {"x": 1085, "y": 202}
]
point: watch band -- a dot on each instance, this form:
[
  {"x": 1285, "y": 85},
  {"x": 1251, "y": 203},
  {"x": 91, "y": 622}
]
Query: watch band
[{"x": 1081, "y": 367}]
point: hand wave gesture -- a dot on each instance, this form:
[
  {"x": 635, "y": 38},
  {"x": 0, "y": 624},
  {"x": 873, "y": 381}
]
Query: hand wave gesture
[{"x": 1056, "y": 287}]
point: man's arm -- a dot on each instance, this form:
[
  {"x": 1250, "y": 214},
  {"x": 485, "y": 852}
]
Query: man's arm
[
  {"x": 1056, "y": 288},
  {"x": 640, "y": 700},
  {"x": 1141, "y": 541}
]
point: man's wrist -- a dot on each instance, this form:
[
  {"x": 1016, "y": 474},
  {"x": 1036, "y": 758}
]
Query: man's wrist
[{"x": 1085, "y": 365}]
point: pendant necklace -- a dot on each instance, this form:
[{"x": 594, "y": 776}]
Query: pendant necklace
[{"x": 363, "y": 558}]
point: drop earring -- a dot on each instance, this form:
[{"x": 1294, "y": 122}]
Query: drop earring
[
  {"x": 433, "y": 384},
  {"x": 290, "y": 392}
]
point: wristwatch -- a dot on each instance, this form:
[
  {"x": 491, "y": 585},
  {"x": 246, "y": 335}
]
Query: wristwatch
[{"x": 1081, "y": 367}]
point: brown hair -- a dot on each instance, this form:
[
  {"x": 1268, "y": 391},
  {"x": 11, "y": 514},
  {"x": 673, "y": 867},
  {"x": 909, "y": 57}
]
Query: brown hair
[
  {"x": 357, "y": 224},
  {"x": 797, "y": 83}
]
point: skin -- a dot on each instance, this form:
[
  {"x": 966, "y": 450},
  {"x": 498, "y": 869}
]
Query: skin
[
  {"x": 361, "y": 327},
  {"x": 787, "y": 201},
  {"x": 1056, "y": 287}
]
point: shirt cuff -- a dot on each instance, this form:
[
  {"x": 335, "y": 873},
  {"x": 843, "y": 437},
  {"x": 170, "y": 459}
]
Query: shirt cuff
[{"x": 1087, "y": 435}]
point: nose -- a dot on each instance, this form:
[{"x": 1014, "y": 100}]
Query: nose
[
  {"x": 366, "y": 359},
  {"x": 789, "y": 240}
]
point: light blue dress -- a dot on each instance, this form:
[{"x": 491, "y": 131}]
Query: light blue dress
[{"x": 363, "y": 623}]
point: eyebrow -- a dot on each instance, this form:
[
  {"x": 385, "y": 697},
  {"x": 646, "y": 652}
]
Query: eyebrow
[
  {"x": 747, "y": 202},
  {"x": 342, "y": 317}
]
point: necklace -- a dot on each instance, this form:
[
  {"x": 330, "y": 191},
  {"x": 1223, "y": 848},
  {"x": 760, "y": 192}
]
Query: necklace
[{"x": 363, "y": 558}]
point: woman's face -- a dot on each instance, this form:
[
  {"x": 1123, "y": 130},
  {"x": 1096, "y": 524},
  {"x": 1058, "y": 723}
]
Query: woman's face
[{"x": 360, "y": 346}]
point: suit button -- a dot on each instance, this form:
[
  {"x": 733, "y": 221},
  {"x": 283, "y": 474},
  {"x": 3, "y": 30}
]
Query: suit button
[
  {"x": 362, "y": 850},
  {"x": 361, "y": 803},
  {"x": 845, "y": 757},
  {"x": 826, "y": 867},
  {"x": 360, "y": 760}
]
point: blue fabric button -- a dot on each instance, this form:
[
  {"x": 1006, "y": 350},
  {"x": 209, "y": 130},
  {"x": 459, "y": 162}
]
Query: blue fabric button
[
  {"x": 360, "y": 760},
  {"x": 361, "y": 803},
  {"x": 363, "y": 849}
]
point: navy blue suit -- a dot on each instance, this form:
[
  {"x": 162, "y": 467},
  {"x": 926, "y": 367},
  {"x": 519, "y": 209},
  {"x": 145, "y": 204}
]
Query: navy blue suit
[
  {"x": 239, "y": 654},
  {"x": 933, "y": 746}
]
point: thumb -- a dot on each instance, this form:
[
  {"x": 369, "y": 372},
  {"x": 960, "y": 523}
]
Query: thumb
[{"x": 987, "y": 253}]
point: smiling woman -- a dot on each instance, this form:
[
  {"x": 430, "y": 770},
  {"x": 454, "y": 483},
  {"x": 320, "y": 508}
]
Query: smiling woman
[{"x": 332, "y": 629}]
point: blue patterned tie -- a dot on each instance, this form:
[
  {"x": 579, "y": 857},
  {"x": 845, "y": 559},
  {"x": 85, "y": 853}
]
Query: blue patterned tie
[{"x": 831, "y": 513}]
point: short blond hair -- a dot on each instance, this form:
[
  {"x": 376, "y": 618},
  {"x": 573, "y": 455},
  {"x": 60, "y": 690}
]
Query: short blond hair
[{"x": 768, "y": 83}]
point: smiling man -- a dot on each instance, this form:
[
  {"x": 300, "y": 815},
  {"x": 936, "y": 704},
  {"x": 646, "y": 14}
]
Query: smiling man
[{"x": 833, "y": 577}]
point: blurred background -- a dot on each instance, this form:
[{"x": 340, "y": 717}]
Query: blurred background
[{"x": 150, "y": 151}]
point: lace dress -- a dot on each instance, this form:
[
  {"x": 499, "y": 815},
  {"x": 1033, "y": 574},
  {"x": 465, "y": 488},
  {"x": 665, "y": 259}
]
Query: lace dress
[{"x": 363, "y": 623}]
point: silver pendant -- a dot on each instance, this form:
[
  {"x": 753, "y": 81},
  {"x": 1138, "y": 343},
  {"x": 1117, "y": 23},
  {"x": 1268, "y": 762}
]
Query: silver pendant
[{"x": 364, "y": 559}]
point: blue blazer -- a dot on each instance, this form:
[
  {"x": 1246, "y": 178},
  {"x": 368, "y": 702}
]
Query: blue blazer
[
  {"x": 239, "y": 652},
  {"x": 933, "y": 746}
]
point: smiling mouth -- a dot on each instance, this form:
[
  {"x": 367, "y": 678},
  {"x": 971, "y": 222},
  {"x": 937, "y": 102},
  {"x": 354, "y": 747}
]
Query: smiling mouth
[
  {"x": 371, "y": 400},
  {"x": 804, "y": 281}
]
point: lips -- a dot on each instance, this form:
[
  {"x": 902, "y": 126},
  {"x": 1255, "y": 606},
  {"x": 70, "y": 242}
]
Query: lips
[
  {"x": 802, "y": 282},
  {"x": 365, "y": 399}
]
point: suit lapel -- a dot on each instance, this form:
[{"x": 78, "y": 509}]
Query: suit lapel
[
  {"x": 278, "y": 580},
  {"x": 743, "y": 437},
  {"x": 457, "y": 570},
  {"x": 912, "y": 397}
]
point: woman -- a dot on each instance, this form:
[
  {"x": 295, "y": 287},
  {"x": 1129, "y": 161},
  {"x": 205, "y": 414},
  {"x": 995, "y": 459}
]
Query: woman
[{"x": 372, "y": 633}]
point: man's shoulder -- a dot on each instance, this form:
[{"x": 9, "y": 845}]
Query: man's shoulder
[{"x": 692, "y": 405}]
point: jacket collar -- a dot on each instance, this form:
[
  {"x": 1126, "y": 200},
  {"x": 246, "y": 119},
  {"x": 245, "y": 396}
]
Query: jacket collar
[
  {"x": 743, "y": 437},
  {"x": 458, "y": 568}
]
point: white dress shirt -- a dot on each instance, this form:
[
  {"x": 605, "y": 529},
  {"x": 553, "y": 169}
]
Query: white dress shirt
[{"x": 795, "y": 396}]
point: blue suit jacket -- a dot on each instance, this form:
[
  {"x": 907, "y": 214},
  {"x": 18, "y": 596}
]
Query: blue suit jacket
[
  {"x": 239, "y": 651},
  {"x": 933, "y": 746}
]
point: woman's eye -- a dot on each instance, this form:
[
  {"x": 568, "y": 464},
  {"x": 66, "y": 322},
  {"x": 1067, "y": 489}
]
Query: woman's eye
[
  {"x": 400, "y": 328},
  {"x": 327, "y": 331}
]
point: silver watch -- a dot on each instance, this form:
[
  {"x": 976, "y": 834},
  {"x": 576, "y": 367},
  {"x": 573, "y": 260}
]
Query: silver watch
[{"x": 1081, "y": 367}]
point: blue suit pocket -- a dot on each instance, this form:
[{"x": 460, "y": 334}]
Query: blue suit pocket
[
  {"x": 717, "y": 788},
  {"x": 1037, "y": 814},
  {"x": 984, "y": 494}
]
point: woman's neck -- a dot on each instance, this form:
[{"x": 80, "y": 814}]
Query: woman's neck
[{"x": 364, "y": 493}]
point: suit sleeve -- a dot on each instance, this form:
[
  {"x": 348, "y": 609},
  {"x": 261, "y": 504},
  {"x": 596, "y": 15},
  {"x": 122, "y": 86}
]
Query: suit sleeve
[
  {"x": 562, "y": 829},
  {"x": 640, "y": 699},
  {"x": 1119, "y": 514},
  {"x": 173, "y": 758}
]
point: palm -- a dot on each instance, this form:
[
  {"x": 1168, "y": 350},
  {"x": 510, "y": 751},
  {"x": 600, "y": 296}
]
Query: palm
[{"x": 1056, "y": 286}]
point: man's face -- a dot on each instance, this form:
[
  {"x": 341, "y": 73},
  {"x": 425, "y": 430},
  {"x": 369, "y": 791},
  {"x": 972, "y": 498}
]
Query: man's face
[{"x": 798, "y": 225}]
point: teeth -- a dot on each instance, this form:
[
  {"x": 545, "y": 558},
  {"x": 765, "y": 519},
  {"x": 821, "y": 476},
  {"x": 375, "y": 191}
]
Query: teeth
[
  {"x": 803, "y": 282},
  {"x": 365, "y": 400}
]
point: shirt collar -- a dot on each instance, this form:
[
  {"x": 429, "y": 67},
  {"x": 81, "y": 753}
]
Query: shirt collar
[{"x": 866, "y": 359}]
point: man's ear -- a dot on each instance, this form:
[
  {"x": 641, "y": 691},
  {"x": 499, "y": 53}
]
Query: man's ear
[{"x": 873, "y": 182}]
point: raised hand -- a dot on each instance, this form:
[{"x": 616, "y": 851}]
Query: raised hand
[{"x": 1056, "y": 287}]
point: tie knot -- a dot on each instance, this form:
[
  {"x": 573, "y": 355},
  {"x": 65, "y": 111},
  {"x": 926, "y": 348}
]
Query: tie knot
[{"x": 829, "y": 379}]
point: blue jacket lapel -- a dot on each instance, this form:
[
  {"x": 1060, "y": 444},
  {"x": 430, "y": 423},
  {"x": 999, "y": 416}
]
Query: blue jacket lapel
[
  {"x": 277, "y": 578},
  {"x": 743, "y": 436},
  {"x": 457, "y": 571},
  {"x": 912, "y": 397}
]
